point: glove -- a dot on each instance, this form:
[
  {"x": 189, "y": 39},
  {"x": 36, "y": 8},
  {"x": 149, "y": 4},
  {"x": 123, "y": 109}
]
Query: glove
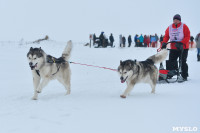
[
  {"x": 164, "y": 45},
  {"x": 179, "y": 46}
]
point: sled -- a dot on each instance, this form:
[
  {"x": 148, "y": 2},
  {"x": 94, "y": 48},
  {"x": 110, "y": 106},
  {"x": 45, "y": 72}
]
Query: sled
[{"x": 173, "y": 70}]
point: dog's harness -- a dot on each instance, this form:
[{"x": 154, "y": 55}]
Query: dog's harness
[{"x": 51, "y": 59}]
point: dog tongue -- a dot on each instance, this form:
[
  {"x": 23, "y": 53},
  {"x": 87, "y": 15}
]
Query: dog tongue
[{"x": 122, "y": 81}]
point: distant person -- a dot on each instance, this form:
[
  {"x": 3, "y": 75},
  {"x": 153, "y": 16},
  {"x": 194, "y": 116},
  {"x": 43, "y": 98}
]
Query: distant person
[
  {"x": 148, "y": 41},
  {"x": 179, "y": 33},
  {"x": 145, "y": 41},
  {"x": 136, "y": 40},
  {"x": 111, "y": 38},
  {"x": 141, "y": 39},
  {"x": 129, "y": 40},
  {"x": 94, "y": 38},
  {"x": 191, "y": 41},
  {"x": 161, "y": 40},
  {"x": 197, "y": 39},
  {"x": 157, "y": 39},
  {"x": 120, "y": 40},
  {"x": 101, "y": 38},
  {"x": 124, "y": 41},
  {"x": 153, "y": 41}
]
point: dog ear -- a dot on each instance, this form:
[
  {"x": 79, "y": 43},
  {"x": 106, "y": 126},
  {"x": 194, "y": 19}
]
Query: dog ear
[
  {"x": 40, "y": 52},
  {"x": 120, "y": 62},
  {"x": 31, "y": 48}
]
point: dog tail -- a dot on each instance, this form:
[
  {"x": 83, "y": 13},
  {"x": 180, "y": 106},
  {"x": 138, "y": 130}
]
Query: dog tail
[
  {"x": 67, "y": 51},
  {"x": 159, "y": 57}
]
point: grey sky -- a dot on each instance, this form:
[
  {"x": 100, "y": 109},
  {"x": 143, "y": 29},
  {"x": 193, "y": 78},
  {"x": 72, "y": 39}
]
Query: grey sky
[{"x": 76, "y": 19}]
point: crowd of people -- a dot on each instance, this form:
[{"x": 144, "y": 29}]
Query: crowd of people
[
  {"x": 102, "y": 40},
  {"x": 139, "y": 41}
]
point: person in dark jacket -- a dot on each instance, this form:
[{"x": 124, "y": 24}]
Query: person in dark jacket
[
  {"x": 111, "y": 38},
  {"x": 136, "y": 40},
  {"x": 124, "y": 41},
  {"x": 94, "y": 38},
  {"x": 129, "y": 40},
  {"x": 161, "y": 40},
  {"x": 101, "y": 39}
]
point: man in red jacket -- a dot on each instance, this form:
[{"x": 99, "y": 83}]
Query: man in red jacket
[{"x": 178, "y": 33}]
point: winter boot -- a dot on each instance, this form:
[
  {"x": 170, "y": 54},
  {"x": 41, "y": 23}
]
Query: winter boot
[
  {"x": 181, "y": 79},
  {"x": 198, "y": 57}
]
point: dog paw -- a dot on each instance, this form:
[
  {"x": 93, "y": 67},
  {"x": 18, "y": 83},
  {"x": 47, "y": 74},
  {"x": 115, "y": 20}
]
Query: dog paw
[
  {"x": 34, "y": 98},
  {"x": 153, "y": 92},
  {"x": 38, "y": 91},
  {"x": 122, "y": 96},
  {"x": 68, "y": 92}
]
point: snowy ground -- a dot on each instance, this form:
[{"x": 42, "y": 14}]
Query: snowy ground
[{"x": 94, "y": 105}]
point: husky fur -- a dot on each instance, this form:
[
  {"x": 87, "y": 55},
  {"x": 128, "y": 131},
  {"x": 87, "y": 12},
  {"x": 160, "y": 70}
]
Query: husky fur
[
  {"x": 133, "y": 72},
  {"x": 43, "y": 70}
]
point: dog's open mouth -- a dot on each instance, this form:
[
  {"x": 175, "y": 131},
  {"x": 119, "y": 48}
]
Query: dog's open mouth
[
  {"x": 32, "y": 67},
  {"x": 123, "y": 80}
]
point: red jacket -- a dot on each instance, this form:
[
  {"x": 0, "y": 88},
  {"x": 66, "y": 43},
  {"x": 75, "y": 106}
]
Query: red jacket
[{"x": 185, "y": 40}]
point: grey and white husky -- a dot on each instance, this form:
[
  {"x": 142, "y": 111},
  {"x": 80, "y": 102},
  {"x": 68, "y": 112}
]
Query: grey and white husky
[
  {"x": 45, "y": 68},
  {"x": 133, "y": 72}
]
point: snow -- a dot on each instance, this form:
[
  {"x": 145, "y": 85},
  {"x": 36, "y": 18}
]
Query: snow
[{"x": 94, "y": 105}]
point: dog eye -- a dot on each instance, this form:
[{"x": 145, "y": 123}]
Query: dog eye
[
  {"x": 34, "y": 58},
  {"x": 125, "y": 72}
]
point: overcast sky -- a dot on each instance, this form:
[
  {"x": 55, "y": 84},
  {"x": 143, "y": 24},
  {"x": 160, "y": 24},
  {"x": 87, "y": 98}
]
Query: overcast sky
[{"x": 76, "y": 19}]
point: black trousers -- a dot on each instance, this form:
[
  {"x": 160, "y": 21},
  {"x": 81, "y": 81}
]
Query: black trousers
[{"x": 175, "y": 54}]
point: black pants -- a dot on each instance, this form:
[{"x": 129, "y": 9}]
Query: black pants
[
  {"x": 129, "y": 44},
  {"x": 175, "y": 54}
]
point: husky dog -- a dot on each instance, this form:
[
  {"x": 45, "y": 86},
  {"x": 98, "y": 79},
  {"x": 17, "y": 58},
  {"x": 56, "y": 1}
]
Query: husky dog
[
  {"x": 134, "y": 72},
  {"x": 45, "y": 68}
]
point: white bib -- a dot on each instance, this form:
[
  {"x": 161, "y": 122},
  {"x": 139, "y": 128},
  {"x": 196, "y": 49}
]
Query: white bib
[{"x": 176, "y": 34}]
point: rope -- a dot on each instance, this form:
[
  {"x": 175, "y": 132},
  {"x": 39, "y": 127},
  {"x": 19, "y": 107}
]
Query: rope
[{"x": 94, "y": 66}]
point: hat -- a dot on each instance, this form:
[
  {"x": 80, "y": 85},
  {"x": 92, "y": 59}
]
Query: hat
[{"x": 177, "y": 16}]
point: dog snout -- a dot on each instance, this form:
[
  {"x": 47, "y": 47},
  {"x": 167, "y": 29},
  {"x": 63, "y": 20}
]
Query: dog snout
[
  {"x": 30, "y": 64},
  {"x": 121, "y": 78}
]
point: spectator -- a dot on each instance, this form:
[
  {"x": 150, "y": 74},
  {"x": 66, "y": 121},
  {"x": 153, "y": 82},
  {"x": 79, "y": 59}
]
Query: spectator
[
  {"x": 178, "y": 32},
  {"x": 191, "y": 41},
  {"x": 161, "y": 40},
  {"x": 111, "y": 38},
  {"x": 94, "y": 38},
  {"x": 141, "y": 38},
  {"x": 148, "y": 41},
  {"x": 156, "y": 42},
  {"x": 129, "y": 40},
  {"x": 120, "y": 40},
  {"x": 101, "y": 39},
  {"x": 145, "y": 41},
  {"x": 124, "y": 41},
  {"x": 153, "y": 41},
  {"x": 197, "y": 39},
  {"x": 136, "y": 40}
]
